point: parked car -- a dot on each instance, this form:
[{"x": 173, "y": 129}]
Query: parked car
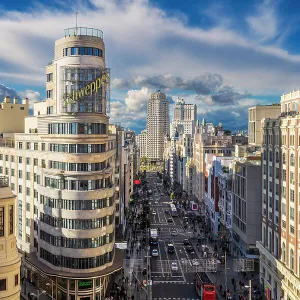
[{"x": 154, "y": 252}]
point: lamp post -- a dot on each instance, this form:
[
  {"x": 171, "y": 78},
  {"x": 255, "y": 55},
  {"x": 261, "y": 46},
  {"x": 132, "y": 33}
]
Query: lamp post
[{"x": 250, "y": 289}]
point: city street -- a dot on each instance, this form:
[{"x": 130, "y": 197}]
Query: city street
[{"x": 168, "y": 283}]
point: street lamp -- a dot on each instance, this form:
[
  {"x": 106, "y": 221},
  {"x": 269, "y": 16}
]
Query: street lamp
[
  {"x": 48, "y": 284},
  {"x": 250, "y": 289}
]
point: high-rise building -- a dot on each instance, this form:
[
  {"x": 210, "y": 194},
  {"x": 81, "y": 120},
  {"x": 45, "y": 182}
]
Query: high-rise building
[
  {"x": 185, "y": 116},
  {"x": 142, "y": 140},
  {"x": 10, "y": 260},
  {"x": 13, "y": 111},
  {"x": 62, "y": 171},
  {"x": 255, "y": 116},
  {"x": 158, "y": 125},
  {"x": 279, "y": 248}
]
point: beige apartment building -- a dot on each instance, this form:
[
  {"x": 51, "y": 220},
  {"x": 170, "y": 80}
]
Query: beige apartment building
[
  {"x": 255, "y": 115},
  {"x": 62, "y": 170},
  {"x": 10, "y": 260},
  {"x": 280, "y": 245},
  {"x": 12, "y": 110}
]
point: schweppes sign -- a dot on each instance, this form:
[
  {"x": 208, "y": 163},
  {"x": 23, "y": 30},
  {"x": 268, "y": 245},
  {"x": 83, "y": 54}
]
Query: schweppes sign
[{"x": 88, "y": 90}]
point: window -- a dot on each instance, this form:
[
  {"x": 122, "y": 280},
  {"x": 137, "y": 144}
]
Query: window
[
  {"x": 36, "y": 146},
  {"x": 1, "y": 221},
  {"x": 27, "y": 222},
  {"x": 27, "y": 175},
  {"x": 12, "y": 186},
  {"x": 292, "y": 213},
  {"x": 12, "y": 172},
  {"x": 292, "y": 265},
  {"x": 43, "y": 146},
  {"x": 20, "y": 159},
  {"x": 283, "y": 174},
  {"x": 292, "y": 229},
  {"x": 27, "y": 238},
  {"x": 12, "y": 159},
  {"x": 49, "y": 93},
  {"x": 28, "y": 191},
  {"x": 283, "y": 208},
  {"x": 49, "y": 77},
  {"x": 1, "y": 170},
  {"x": 20, "y": 189},
  {"x": 27, "y": 206},
  {"x": 20, "y": 145},
  {"x": 20, "y": 174},
  {"x": 2, "y": 285},
  {"x": 283, "y": 158},
  {"x": 16, "y": 279},
  {"x": 27, "y": 161},
  {"x": 270, "y": 155},
  {"x": 35, "y": 161},
  {"x": 11, "y": 219},
  {"x": 277, "y": 157},
  {"x": 1, "y": 156},
  {"x": 28, "y": 145},
  {"x": 292, "y": 196},
  {"x": 283, "y": 253},
  {"x": 292, "y": 160},
  {"x": 6, "y": 158}
]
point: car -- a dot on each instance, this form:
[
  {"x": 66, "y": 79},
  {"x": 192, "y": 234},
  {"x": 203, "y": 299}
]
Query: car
[
  {"x": 195, "y": 262},
  {"x": 170, "y": 220},
  {"x": 186, "y": 242},
  {"x": 154, "y": 252},
  {"x": 189, "y": 248},
  {"x": 174, "y": 266},
  {"x": 171, "y": 248},
  {"x": 154, "y": 212},
  {"x": 174, "y": 232},
  {"x": 156, "y": 202}
]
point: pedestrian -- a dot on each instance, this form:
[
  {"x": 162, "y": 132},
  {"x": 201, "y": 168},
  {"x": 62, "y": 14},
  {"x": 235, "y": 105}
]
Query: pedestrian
[{"x": 221, "y": 287}]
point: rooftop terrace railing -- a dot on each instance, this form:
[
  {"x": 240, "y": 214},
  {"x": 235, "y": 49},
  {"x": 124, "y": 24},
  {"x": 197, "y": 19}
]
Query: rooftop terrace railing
[
  {"x": 84, "y": 31},
  {"x": 3, "y": 181}
]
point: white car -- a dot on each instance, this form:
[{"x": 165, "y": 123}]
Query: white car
[
  {"x": 174, "y": 232},
  {"x": 195, "y": 262},
  {"x": 154, "y": 252},
  {"x": 154, "y": 212},
  {"x": 174, "y": 266}
]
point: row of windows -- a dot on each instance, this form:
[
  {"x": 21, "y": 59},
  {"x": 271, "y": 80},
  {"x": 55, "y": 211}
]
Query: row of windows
[
  {"x": 76, "y": 204},
  {"x": 10, "y": 222},
  {"x": 80, "y": 148},
  {"x": 77, "y": 128},
  {"x": 82, "y": 51},
  {"x": 20, "y": 158},
  {"x": 81, "y": 167},
  {"x": 60, "y": 241},
  {"x": 76, "y": 263},
  {"x": 78, "y": 185},
  {"x": 77, "y": 223}
]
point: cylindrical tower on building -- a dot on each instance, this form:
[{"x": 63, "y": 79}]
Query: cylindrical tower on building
[{"x": 10, "y": 260}]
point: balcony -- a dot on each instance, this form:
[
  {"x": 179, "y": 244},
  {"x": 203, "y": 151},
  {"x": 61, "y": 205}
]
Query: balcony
[
  {"x": 7, "y": 142},
  {"x": 85, "y": 31}
]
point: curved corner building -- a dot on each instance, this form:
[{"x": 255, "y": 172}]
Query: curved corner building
[
  {"x": 10, "y": 259},
  {"x": 64, "y": 174}
]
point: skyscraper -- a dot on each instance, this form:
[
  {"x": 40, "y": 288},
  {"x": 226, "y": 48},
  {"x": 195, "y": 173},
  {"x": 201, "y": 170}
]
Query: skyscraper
[
  {"x": 185, "y": 116},
  {"x": 62, "y": 171},
  {"x": 158, "y": 125}
]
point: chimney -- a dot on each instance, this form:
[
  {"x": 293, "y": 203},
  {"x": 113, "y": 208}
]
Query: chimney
[
  {"x": 6, "y": 99},
  {"x": 25, "y": 101},
  {"x": 15, "y": 100}
]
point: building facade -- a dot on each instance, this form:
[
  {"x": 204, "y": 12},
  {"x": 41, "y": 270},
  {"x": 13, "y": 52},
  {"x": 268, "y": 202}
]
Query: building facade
[
  {"x": 12, "y": 110},
  {"x": 142, "y": 143},
  {"x": 63, "y": 173},
  {"x": 158, "y": 125},
  {"x": 255, "y": 115},
  {"x": 10, "y": 260}
]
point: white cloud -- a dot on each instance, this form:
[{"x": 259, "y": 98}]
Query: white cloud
[
  {"x": 136, "y": 100},
  {"x": 32, "y": 96}
]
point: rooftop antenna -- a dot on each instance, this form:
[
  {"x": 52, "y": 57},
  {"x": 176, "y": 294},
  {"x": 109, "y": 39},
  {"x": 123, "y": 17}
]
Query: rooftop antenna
[{"x": 76, "y": 17}]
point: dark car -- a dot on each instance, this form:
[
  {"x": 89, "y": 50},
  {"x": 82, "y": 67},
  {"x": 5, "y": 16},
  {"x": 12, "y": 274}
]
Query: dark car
[
  {"x": 186, "y": 242},
  {"x": 170, "y": 220},
  {"x": 189, "y": 248}
]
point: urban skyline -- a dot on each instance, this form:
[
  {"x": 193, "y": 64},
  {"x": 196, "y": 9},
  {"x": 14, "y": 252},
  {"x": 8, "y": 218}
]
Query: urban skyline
[{"x": 206, "y": 73}]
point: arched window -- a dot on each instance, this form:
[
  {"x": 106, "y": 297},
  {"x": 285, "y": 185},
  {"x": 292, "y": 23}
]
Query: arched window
[
  {"x": 283, "y": 159},
  {"x": 292, "y": 260},
  {"x": 277, "y": 157},
  {"x": 270, "y": 155},
  {"x": 265, "y": 155},
  {"x": 283, "y": 252},
  {"x": 292, "y": 160}
]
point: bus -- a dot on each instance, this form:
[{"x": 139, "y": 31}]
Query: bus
[
  {"x": 173, "y": 210},
  {"x": 205, "y": 288},
  {"x": 153, "y": 236}
]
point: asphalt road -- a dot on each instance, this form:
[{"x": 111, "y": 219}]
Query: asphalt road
[{"x": 168, "y": 283}]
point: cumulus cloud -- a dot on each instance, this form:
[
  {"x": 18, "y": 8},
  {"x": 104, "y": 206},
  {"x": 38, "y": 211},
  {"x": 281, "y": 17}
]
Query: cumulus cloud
[
  {"x": 7, "y": 91},
  {"x": 33, "y": 96},
  {"x": 136, "y": 100}
]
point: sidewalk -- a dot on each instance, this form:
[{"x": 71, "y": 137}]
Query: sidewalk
[{"x": 26, "y": 288}]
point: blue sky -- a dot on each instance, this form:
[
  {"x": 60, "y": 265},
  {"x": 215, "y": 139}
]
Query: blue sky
[{"x": 223, "y": 55}]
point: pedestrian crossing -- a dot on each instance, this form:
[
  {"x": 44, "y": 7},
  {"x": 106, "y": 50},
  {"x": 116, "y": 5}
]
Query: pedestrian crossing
[{"x": 175, "y": 299}]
